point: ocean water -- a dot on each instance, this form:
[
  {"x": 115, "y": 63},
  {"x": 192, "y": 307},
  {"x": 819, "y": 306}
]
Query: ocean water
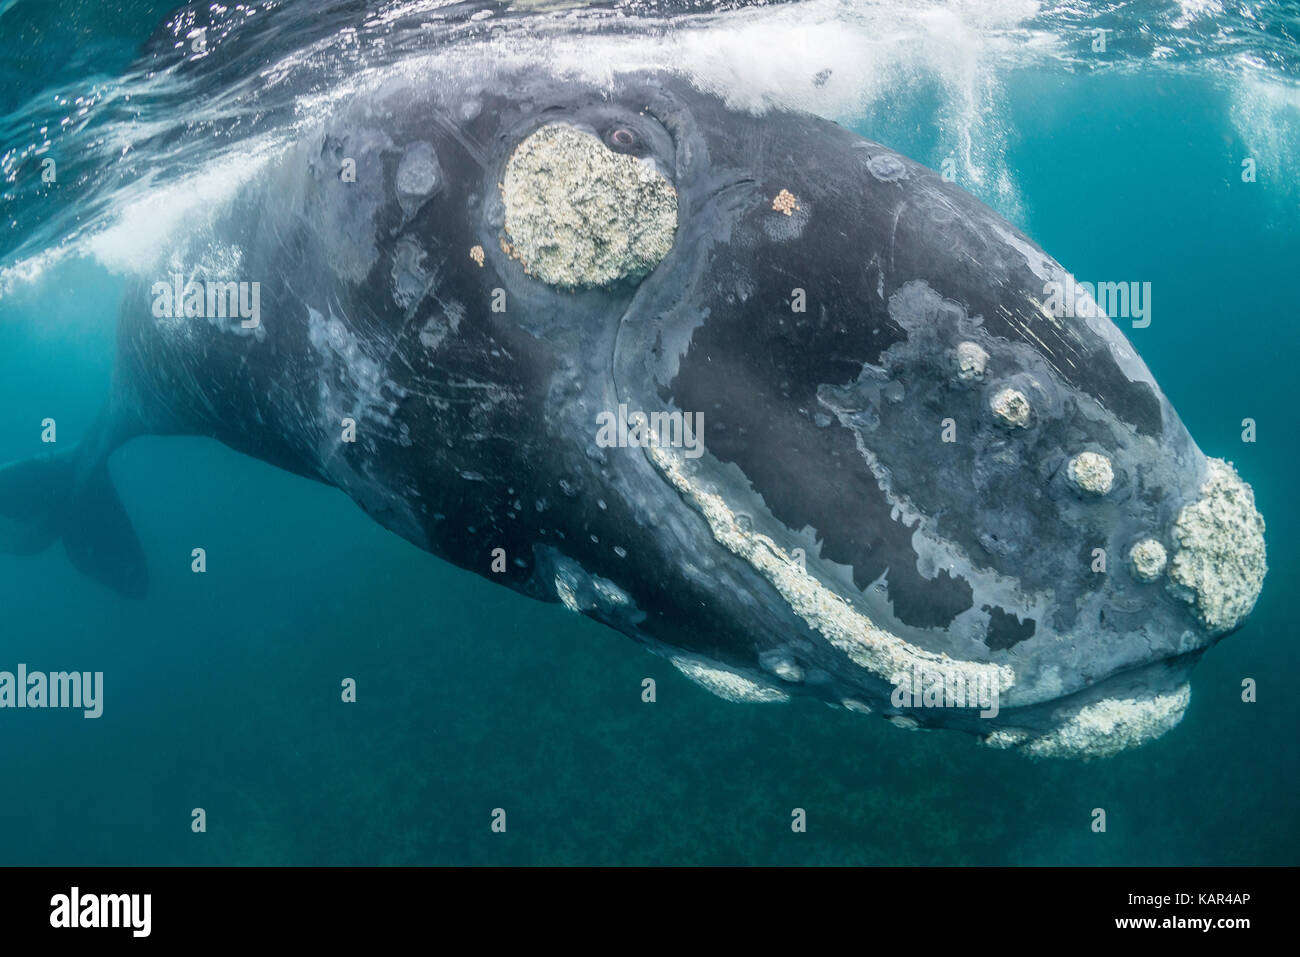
[{"x": 222, "y": 690}]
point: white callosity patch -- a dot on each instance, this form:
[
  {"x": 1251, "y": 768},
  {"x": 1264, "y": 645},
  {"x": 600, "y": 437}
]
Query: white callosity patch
[
  {"x": 1219, "y": 562},
  {"x": 564, "y": 591},
  {"x": 1149, "y": 559},
  {"x": 727, "y": 684},
  {"x": 441, "y": 324},
  {"x": 418, "y": 176},
  {"x": 869, "y": 646},
  {"x": 1005, "y": 738},
  {"x": 972, "y": 360},
  {"x": 1011, "y": 406},
  {"x": 781, "y": 665},
  {"x": 1091, "y": 472},
  {"x": 579, "y": 214},
  {"x": 579, "y": 590},
  {"x": 1109, "y": 726},
  {"x": 360, "y": 387}
]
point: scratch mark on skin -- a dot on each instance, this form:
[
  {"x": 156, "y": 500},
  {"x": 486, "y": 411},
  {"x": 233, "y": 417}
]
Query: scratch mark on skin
[{"x": 898, "y": 214}]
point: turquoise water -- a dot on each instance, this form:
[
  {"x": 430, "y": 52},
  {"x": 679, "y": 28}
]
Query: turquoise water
[{"x": 222, "y": 690}]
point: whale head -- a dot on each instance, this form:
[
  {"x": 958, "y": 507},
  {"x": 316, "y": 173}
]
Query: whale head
[{"x": 794, "y": 411}]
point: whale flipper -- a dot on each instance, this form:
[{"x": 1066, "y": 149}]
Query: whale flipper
[{"x": 64, "y": 496}]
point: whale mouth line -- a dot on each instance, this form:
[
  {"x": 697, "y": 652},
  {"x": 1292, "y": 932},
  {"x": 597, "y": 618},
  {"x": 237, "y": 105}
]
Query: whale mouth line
[{"x": 872, "y": 648}]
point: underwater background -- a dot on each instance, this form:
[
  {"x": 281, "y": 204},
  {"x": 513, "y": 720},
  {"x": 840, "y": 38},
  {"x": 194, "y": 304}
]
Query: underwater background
[{"x": 222, "y": 691}]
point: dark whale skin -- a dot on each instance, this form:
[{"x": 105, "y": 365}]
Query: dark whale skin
[{"x": 391, "y": 300}]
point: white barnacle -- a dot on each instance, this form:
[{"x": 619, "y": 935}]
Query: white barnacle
[
  {"x": 782, "y": 665},
  {"x": 1149, "y": 558},
  {"x": 1012, "y": 407},
  {"x": 725, "y": 683},
  {"x": 906, "y": 722},
  {"x": 1003, "y": 738},
  {"x": 972, "y": 360},
  {"x": 1091, "y": 472},
  {"x": 579, "y": 214}
]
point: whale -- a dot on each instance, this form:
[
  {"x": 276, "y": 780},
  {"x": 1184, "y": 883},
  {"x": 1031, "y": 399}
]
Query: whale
[{"x": 778, "y": 403}]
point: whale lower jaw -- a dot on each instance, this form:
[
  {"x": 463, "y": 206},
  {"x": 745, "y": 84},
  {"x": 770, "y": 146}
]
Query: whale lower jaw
[{"x": 1101, "y": 729}]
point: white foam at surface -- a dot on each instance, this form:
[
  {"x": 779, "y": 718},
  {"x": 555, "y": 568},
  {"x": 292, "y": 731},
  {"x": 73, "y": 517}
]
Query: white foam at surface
[
  {"x": 1266, "y": 115},
  {"x": 868, "y": 52},
  {"x": 141, "y": 238}
]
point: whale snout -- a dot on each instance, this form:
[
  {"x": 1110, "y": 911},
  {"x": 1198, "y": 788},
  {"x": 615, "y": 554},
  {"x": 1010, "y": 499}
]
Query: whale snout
[{"x": 1219, "y": 563}]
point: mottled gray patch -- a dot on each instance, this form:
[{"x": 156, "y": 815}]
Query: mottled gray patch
[
  {"x": 418, "y": 176},
  {"x": 444, "y": 323},
  {"x": 887, "y": 168},
  {"x": 409, "y": 277}
]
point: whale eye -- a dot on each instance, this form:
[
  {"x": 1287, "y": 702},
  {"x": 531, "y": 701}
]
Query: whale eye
[{"x": 621, "y": 138}]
